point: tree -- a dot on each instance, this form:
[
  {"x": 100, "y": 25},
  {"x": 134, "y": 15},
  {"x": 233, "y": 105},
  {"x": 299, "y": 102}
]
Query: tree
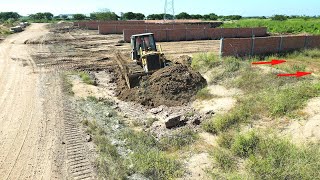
[
  {"x": 133, "y": 16},
  {"x": 231, "y": 17},
  {"x": 210, "y": 16},
  {"x": 106, "y": 16},
  {"x": 9, "y": 15},
  {"x": 279, "y": 17},
  {"x": 41, "y": 16},
  {"x": 139, "y": 16},
  {"x": 79, "y": 17},
  {"x": 64, "y": 16},
  {"x": 183, "y": 15},
  {"x": 155, "y": 16},
  {"x": 196, "y": 16},
  {"x": 48, "y": 15},
  {"x": 129, "y": 16}
]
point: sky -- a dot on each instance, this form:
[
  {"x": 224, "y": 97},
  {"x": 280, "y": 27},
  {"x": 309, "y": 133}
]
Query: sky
[{"x": 220, "y": 7}]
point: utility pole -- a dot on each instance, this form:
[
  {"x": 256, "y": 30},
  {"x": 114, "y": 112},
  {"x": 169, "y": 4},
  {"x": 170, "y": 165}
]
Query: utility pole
[{"x": 168, "y": 10}]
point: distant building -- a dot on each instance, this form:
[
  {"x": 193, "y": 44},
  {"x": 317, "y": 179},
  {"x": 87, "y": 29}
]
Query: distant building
[{"x": 66, "y": 16}]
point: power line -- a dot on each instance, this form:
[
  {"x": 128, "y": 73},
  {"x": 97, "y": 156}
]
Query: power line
[{"x": 169, "y": 10}]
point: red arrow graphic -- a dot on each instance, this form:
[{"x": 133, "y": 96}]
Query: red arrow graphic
[
  {"x": 298, "y": 74},
  {"x": 273, "y": 62}
]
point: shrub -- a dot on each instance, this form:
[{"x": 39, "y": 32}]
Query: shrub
[
  {"x": 283, "y": 101},
  {"x": 245, "y": 144},
  {"x": 279, "y": 17},
  {"x": 204, "y": 61},
  {"x": 226, "y": 139},
  {"x": 222, "y": 123},
  {"x": 178, "y": 139},
  {"x": 110, "y": 165},
  {"x": 154, "y": 164},
  {"x": 225, "y": 159},
  {"x": 67, "y": 84},
  {"x": 146, "y": 157},
  {"x": 86, "y": 78},
  {"x": 280, "y": 159},
  {"x": 231, "y": 64}
]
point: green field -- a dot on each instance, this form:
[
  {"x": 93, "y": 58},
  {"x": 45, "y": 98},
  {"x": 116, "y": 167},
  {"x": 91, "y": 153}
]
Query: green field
[{"x": 290, "y": 26}]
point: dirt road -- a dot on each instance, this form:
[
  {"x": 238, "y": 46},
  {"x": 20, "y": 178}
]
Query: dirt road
[{"x": 31, "y": 123}]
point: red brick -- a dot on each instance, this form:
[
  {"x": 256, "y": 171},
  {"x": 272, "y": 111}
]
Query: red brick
[
  {"x": 176, "y": 34},
  {"x": 313, "y": 42},
  {"x": 236, "y": 47},
  {"x": 266, "y": 45},
  {"x": 260, "y": 32},
  {"x": 291, "y": 43},
  {"x": 244, "y": 32},
  {"x": 195, "y": 34},
  {"x": 214, "y": 33},
  {"x": 107, "y": 29}
]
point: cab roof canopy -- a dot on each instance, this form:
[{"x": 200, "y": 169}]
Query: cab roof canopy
[{"x": 144, "y": 34}]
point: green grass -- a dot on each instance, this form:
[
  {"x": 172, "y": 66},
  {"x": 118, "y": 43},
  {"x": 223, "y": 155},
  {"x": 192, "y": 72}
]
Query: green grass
[
  {"x": 224, "y": 159},
  {"x": 147, "y": 157},
  {"x": 245, "y": 144},
  {"x": 178, "y": 140},
  {"x": 267, "y": 156},
  {"x": 67, "y": 84},
  {"x": 265, "y": 94},
  {"x": 280, "y": 159},
  {"x": 86, "y": 78},
  {"x": 204, "y": 61},
  {"x": 293, "y": 26},
  {"x": 223, "y": 122},
  {"x": 110, "y": 164}
]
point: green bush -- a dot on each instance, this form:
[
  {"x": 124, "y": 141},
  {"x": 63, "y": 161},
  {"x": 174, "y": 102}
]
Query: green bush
[
  {"x": 147, "y": 157},
  {"x": 178, "y": 139},
  {"x": 280, "y": 159},
  {"x": 245, "y": 144},
  {"x": 110, "y": 165},
  {"x": 85, "y": 76},
  {"x": 154, "y": 164},
  {"x": 294, "y": 26},
  {"x": 222, "y": 123},
  {"x": 225, "y": 159},
  {"x": 231, "y": 64},
  {"x": 204, "y": 61},
  {"x": 279, "y": 17},
  {"x": 283, "y": 101},
  {"x": 226, "y": 139},
  {"x": 67, "y": 84}
]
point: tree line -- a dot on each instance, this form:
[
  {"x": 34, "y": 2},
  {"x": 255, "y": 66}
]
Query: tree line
[{"x": 108, "y": 15}]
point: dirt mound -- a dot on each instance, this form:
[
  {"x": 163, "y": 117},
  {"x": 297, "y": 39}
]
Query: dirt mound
[{"x": 172, "y": 86}]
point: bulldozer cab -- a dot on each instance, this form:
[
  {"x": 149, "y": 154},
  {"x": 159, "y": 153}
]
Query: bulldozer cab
[{"x": 144, "y": 42}]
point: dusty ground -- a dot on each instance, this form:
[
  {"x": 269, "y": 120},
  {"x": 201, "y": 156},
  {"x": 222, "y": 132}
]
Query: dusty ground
[
  {"x": 30, "y": 114},
  {"x": 40, "y": 135},
  {"x": 33, "y": 139}
]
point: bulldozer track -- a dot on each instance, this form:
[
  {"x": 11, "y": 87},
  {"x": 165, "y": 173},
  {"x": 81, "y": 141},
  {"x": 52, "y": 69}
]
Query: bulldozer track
[{"x": 79, "y": 165}]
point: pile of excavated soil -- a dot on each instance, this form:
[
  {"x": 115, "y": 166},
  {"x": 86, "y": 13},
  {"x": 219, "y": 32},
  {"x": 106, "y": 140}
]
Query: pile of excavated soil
[{"x": 171, "y": 86}]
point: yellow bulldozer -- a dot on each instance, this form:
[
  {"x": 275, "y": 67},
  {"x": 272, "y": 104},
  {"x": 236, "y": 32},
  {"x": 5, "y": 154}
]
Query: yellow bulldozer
[{"x": 146, "y": 58}]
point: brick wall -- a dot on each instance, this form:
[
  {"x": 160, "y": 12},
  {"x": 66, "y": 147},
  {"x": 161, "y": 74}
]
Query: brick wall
[
  {"x": 195, "y": 34},
  {"x": 92, "y": 25},
  {"x": 313, "y": 42},
  {"x": 267, "y": 45},
  {"x": 291, "y": 43},
  {"x": 236, "y": 46}
]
